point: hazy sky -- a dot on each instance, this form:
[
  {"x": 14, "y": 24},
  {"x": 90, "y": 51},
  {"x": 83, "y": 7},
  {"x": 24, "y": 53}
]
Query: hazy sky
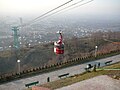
[{"x": 37, "y": 7}]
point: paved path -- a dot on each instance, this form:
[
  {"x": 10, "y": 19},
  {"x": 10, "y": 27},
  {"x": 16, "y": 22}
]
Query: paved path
[{"x": 42, "y": 78}]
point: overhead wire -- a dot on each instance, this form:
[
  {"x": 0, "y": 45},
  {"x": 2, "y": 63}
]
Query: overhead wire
[
  {"x": 53, "y": 9},
  {"x": 62, "y": 9},
  {"x": 68, "y": 7},
  {"x": 82, "y": 4},
  {"x": 47, "y": 14}
]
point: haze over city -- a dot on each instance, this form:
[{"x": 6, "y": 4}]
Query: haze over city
[
  {"x": 28, "y": 8},
  {"x": 76, "y": 20}
]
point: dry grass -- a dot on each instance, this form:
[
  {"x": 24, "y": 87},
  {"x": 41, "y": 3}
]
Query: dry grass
[{"x": 77, "y": 78}]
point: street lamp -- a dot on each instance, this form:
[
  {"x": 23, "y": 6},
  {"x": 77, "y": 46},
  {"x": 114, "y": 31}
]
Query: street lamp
[
  {"x": 29, "y": 44},
  {"x": 18, "y": 61},
  {"x": 96, "y": 47}
]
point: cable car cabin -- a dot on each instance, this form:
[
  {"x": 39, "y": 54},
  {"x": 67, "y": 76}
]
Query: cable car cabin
[
  {"x": 59, "y": 45},
  {"x": 58, "y": 48}
]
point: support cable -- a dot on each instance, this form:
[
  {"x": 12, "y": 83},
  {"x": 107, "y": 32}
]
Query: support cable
[
  {"x": 67, "y": 8},
  {"x": 45, "y": 15}
]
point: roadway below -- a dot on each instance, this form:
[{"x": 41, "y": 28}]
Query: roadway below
[{"x": 42, "y": 78}]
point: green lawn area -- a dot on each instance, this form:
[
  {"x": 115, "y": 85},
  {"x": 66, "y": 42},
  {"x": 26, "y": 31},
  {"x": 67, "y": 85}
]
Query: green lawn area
[{"x": 77, "y": 78}]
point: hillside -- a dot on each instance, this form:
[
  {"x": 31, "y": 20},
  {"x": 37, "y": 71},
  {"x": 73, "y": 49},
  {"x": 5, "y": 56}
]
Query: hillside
[{"x": 42, "y": 54}]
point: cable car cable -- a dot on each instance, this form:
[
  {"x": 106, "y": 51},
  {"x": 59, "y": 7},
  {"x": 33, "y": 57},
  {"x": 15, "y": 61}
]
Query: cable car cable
[
  {"x": 47, "y": 13},
  {"x": 68, "y": 7},
  {"x": 82, "y": 4},
  {"x": 52, "y": 10},
  {"x": 62, "y": 9}
]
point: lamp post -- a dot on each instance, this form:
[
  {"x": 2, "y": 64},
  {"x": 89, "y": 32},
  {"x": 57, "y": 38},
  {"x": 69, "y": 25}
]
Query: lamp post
[
  {"x": 18, "y": 61},
  {"x": 96, "y": 47}
]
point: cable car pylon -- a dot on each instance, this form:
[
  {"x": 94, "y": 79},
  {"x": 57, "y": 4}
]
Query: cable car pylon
[{"x": 16, "y": 42}]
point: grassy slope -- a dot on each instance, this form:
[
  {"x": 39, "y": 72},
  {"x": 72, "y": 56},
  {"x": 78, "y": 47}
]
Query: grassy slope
[{"x": 84, "y": 76}]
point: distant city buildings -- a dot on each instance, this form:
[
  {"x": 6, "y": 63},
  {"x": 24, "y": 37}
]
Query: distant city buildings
[{"x": 44, "y": 32}]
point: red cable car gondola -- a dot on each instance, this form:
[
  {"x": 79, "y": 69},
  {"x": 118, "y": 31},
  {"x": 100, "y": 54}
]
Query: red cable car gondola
[{"x": 59, "y": 45}]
